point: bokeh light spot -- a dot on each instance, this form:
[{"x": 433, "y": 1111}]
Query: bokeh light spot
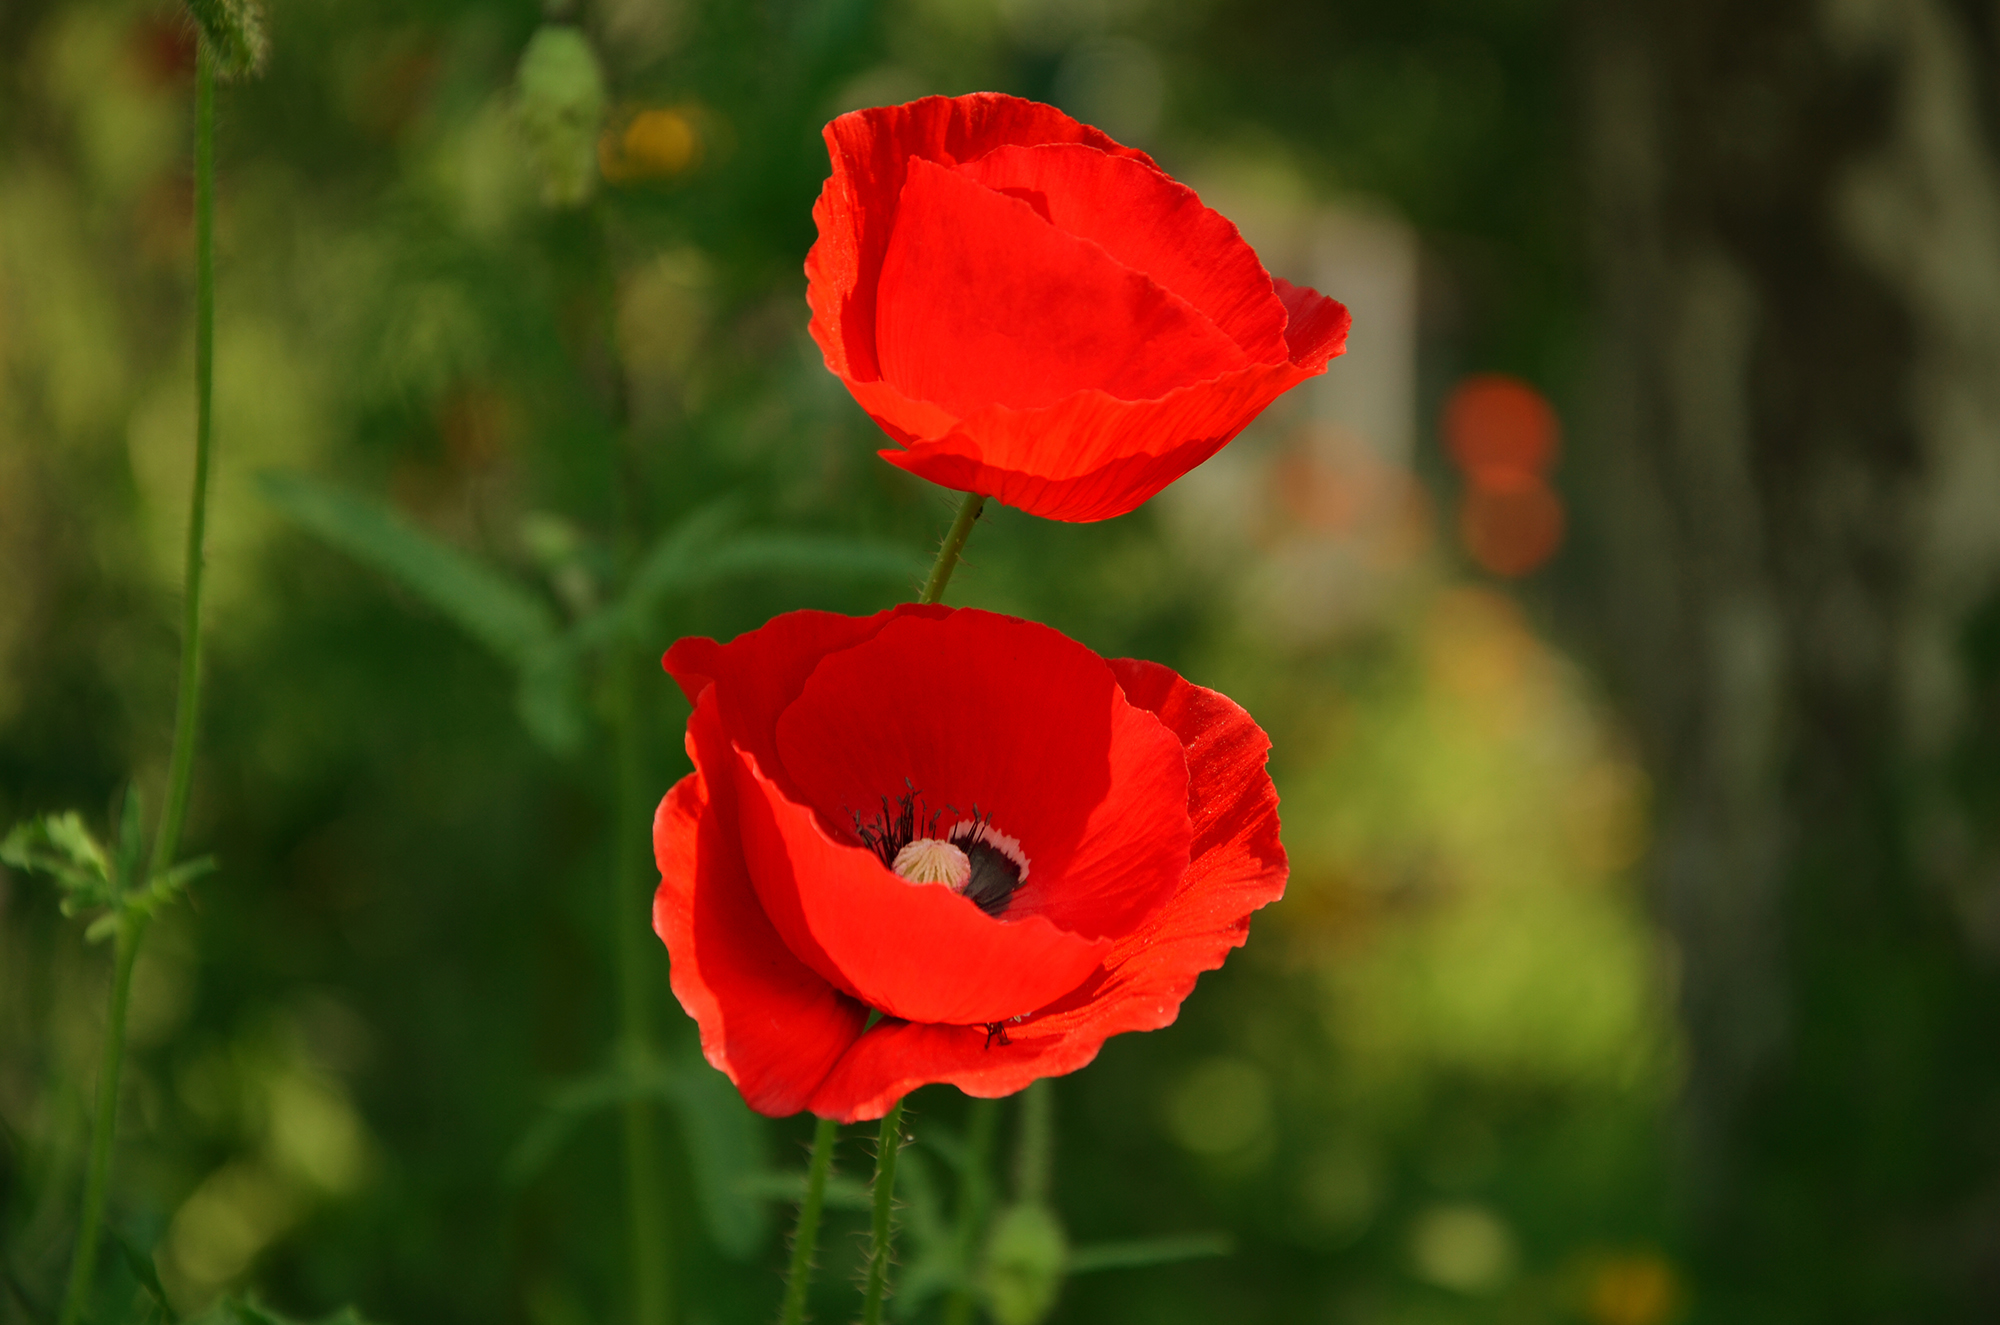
[
  {"x": 656, "y": 143},
  {"x": 1462, "y": 1247},
  {"x": 1222, "y": 1108},
  {"x": 1636, "y": 1289},
  {"x": 1497, "y": 424},
  {"x": 1511, "y": 523}
]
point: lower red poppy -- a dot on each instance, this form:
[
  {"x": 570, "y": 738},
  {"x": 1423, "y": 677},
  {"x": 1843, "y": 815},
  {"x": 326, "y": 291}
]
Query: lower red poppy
[{"x": 1007, "y": 846}]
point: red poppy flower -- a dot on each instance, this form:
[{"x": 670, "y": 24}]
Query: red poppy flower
[
  {"x": 1039, "y": 314},
  {"x": 971, "y": 824}
]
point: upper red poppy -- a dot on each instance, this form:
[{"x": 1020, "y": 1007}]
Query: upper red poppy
[
  {"x": 1039, "y": 314},
  {"x": 971, "y": 824}
]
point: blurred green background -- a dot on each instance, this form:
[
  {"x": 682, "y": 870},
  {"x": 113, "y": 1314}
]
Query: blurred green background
[{"x": 1637, "y": 961}]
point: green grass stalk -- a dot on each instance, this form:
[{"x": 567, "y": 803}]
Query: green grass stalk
[
  {"x": 651, "y": 1254},
  {"x": 187, "y": 705}
]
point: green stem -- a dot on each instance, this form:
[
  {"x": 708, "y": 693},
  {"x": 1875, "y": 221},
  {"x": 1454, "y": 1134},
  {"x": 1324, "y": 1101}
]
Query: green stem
[
  {"x": 806, "y": 1239},
  {"x": 180, "y": 765},
  {"x": 954, "y": 543},
  {"x": 884, "y": 1231},
  {"x": 180, "y": 769},
  {"x": 83, "y": 1266},
  {"x": 976, "y": 1199},
  {"x": 651, "y": 1252},
  {"x": 646, "y": 1217}
]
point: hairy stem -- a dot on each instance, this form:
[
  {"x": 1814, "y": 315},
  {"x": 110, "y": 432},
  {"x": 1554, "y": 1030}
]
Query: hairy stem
[
  {"x": 975, "y": 1200},
  {"x": 954, "y": 542},
  {"x": 806, "y": 1239},
  {"x": 884, "y": 1229}
]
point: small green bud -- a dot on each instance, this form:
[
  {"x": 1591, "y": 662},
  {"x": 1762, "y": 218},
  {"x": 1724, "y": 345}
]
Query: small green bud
[
  {"x": 1025, "y": 1258},
  {"x": 233, "y": 32},
  {"x": 559, "y": 103}
]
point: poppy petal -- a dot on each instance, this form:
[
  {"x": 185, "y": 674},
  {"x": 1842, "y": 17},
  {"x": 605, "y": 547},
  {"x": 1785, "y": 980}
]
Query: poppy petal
[
  {"x": 896, "y": 1057},
  {"x": 870, "y": 151},
  {"x": 1317, "y": 327},
  {"x": 1151, "y": 224},
  {"x": 767, "y": 1021},
  {"x": 1238, "y": 863},
  {"x": 980, "y": 298},
  {"x": 984, "y": 713},
  {"x": 1238, "y": 866},
  {"x": 761, "y": 671},
  {"x": 917, "y": 951},
  {"x": 1089, "y": 456}
]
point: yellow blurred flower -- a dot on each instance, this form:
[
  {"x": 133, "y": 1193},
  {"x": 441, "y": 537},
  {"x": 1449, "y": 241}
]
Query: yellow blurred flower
[
  {"x": 1634, "y": 1289},
  {"x": 656, "y": 143}
]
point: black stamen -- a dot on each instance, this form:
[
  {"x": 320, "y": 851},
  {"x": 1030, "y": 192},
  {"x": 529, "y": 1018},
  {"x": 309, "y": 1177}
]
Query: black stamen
[
  {"x": 994, "y": 875},
  {"x": 996, "y": 1031},
  {"x": 896, "y": 827}
]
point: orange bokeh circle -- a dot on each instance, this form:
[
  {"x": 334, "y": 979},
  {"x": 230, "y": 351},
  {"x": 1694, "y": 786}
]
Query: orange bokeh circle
[
  {"x": 1495, "y": 424},
  {"x": 1511, "y": 523}
]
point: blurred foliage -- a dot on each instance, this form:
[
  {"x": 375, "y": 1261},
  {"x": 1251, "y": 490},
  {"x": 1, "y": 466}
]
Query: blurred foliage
[{"x": 474, "y": 449}]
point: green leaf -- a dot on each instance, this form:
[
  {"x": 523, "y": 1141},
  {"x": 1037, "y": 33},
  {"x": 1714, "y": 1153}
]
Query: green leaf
[
  {"x": 33, "y": 1310},
  {"x": 676, "y": 559},
  {"x": 60, "y": 846},
  {"x": 1149, "y": 1251},
  {"x": 141, "y": 1265},
  {"x": 725, "y": 1142},
  {"x": 181, "y": 875},
  {"x": 671, "y": 563},
  {"x": 247, "y": 1310},
  {"x": 549, "y": 699},
  {"x": 808, "y": 554},
  {"x": 567, "y": 1108},
  {"x": 486, "y": 604},
  {"x": 696, "y": 553},
  {"x": 166, "y": 887}
]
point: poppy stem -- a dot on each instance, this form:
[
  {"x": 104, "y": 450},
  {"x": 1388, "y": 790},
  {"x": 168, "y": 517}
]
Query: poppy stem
[
  {"x": 807, "y": 1237},
  {"x": 132, "y": 924},
  {"x": 891, "y": 1141},
  {"x": 954, "y": 543}
]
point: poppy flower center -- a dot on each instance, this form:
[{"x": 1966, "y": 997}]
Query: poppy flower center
[
  {"x": 932, "y": 860},
  {"x": 972, "y": 858}
]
